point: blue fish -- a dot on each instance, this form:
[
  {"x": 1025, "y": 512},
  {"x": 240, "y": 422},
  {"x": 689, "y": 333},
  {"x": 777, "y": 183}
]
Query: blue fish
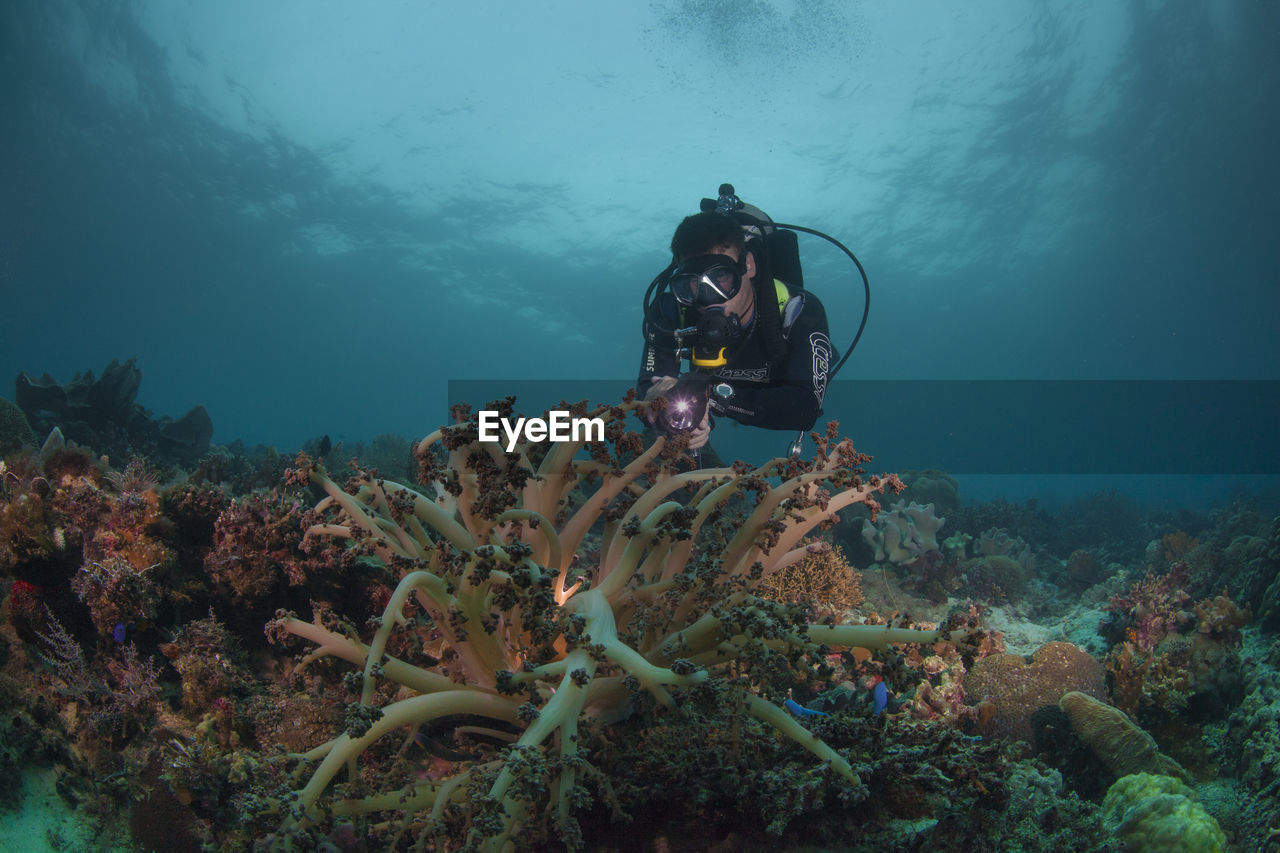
[
  {"x": 118, "y": 632},
  {"x": 879, "y": 698},
  {"x": 801, "y": 711}
]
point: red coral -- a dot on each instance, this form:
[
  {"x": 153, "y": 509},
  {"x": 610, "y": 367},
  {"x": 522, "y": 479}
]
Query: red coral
[
  {"x": 195, "y": 508},
  {"x": 1166, "y": 674},
  {"x": 1177, "y": 545},
  {"x": 1151, "y": 609},
  {"x": 1221, "y": 619},
  {"x": 209, "y": 662},
  {"x": 116, "y": 594},
  {"x": 27, "y": 610},
  {"x": 130, "y": 531},
  {"x": 257, "y": 540}
]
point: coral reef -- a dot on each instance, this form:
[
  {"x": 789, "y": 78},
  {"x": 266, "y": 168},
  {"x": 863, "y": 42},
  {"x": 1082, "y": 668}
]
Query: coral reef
[
  {"x": 823, "y": 580},
  {"x": 239, "y": 469},
  {"x": 931, "y": 486},
  {"x": 1250, "y": 749},
  {"x": 595, "y": 647},
  {"x": 1152, "y": 813},
  {"x": 1017, "y": 688},
  {"x": 1264, "y": 565},
  {"x": 1081, "y": 569},
  {"x": 1115, "y": 739},
  {"x": 1176, "y": 546},
  {"x": 209, "y": 662},
  {"x": 941, "y": 695},
  {"x": 995, "y": 578},
  {"x": 1043, "y": 815},
  {"x": 1107, "y": 523},
  {"x": 15, "y": 432},
  {"x": 102, "y": 412},
  {"x": 254, "y": 541},
  {"x": 389, "y": 454},
  {"x": 534, "y": 646},
  {"x": 1174, "y": 658},
  {"x": 1152, "y": 608},
  {"x": 1026, "y": 521},
  {"x": 996, "y": 542},
  {"x": 903, "y": 534}
]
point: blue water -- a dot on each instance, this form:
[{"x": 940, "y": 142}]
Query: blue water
[{"x": 309, "y": 217}]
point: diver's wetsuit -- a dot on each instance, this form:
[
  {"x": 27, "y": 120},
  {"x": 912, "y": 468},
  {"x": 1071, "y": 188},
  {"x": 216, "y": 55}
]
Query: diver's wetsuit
[{"x": 787, "y": 395}]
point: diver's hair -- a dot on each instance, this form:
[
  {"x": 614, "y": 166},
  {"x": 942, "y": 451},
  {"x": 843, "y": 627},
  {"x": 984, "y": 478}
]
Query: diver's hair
[{"x": 702, "y": 232}]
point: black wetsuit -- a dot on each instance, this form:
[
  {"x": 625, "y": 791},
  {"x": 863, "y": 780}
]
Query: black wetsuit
[{"x": 784, "y": 395}]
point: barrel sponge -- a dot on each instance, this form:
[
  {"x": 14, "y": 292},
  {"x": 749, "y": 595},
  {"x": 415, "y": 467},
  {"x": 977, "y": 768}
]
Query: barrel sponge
[
  {"x": 1115, "y": 739},
  {"x": 15, "y": 432},
  {"x": 1158, "y": 814}
]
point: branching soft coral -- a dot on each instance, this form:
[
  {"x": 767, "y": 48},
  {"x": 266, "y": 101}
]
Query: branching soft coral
[
  {"x": 529, "y": 640},
  {"x": 822, "y": 580}
]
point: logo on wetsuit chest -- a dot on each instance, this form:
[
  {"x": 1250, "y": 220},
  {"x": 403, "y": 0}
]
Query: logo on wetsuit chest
[
  {"x": 821, "y": 362},
  {"x": 751, "y": 374}
]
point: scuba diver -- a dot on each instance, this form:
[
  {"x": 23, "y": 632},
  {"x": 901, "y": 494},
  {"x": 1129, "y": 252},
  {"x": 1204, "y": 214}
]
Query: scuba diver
[{"x": 733, "y": 304}]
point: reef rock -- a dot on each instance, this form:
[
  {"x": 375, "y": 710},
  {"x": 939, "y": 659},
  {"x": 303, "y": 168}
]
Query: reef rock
[
  {"x": 96, "y": 402},
  {"x": 189, "y": 436},
  {"x": 102, "y": 413},
  {"x": 15, "y": 432}
]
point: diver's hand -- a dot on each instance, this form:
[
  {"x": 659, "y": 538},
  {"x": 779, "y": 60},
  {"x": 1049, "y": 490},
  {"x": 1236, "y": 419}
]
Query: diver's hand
[
  {"x": 701, "y": 434},
  {"x": 661, "y": 385}
]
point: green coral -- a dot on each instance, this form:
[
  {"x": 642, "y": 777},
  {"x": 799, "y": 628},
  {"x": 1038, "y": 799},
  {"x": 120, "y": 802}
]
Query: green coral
[
  {"x": 1150, "y": 813},
  {"x": 15, "y": 432},
  {"x": 995, "y": 577}
]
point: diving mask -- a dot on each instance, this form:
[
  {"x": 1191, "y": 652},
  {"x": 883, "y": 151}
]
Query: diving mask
[{"x": 706, "y": 280}]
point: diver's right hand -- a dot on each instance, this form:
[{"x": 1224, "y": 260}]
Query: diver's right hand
[{"x": 660, "y": 386}]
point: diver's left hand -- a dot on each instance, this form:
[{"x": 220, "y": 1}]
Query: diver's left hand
[{"x": 658, "y": 388}]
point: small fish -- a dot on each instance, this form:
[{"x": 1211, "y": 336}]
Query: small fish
[
  {"x": 119, "y": 632},
  {"x": 879, "y": 698},
  {"x": 801, "y": 711}
]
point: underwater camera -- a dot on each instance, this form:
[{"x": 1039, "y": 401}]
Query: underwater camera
[{"x": 686, "y": 404}]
